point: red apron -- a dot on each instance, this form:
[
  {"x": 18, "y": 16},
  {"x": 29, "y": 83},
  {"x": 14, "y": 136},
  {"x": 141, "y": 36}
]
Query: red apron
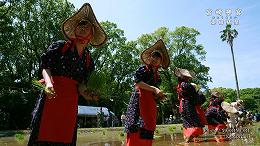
[
  {"x": 201, "y": 114},
  {"x": 59, "y": 114},
  {"x": 148, "y": 109},
  {"x": 133, "y": 139}
]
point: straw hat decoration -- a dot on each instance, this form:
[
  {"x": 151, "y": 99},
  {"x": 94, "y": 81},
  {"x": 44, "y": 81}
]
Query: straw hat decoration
[
  {"x": 85, "y": 13},
  {"x": 160, "y": 47},
  {"x": 179, "y": 72}
]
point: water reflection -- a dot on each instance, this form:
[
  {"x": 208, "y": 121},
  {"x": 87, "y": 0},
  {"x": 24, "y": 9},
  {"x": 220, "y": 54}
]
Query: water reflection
[{"x": 160, "y": 140}]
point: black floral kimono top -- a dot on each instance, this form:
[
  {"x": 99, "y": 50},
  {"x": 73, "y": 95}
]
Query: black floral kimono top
[{"x": 67, "y": 62}]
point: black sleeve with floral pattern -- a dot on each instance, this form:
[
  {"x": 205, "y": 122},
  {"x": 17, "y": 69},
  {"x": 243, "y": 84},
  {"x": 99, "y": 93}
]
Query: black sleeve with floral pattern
[
  {"x": 69, "y": 63},
  {"x": 188, "y": 90},
  {"x": 50, "y": 58},
  {"x": 145, "y": 74}
]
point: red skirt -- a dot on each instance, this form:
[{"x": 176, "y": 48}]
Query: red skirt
[
  {"x": 59, "y": 114},
  {"x": 217, "y": 127},
  {"x": 194, "y": 131},
  {"x": 133, "y": 139}
]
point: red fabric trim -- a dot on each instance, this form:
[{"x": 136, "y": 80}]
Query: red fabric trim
[
  {"x": 179, "y": 90},
  {"x": 194, "y": 131},
  {"x": 58, "y": 118},
  {"x": 133, "y": 139},
  {"x": 156, "y": 75},
  {"x": 88, "y": 60},
  {"x": 71, "y": 44},
  {"x": 148, "y": 109},
  {"x": 68, "y": 44},
  {"x": 147, "y": 68},
  {"x": 180, "y": 108}
]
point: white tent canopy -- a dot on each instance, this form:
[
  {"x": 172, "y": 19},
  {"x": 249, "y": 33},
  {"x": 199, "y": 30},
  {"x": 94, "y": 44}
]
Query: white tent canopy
[{"x": 92, "y": 111}]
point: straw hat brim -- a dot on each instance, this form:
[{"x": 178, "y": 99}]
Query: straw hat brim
[
  {"x": 160, "y": 47},
  {"x": 179, "y": 72},
  {"x": 84, "y": 13},
  {"x": 216, "y": 94},
  {"x": 228, "y": 107}
]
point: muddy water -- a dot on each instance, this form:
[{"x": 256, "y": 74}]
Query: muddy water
[{"x": 162, "y": 140}]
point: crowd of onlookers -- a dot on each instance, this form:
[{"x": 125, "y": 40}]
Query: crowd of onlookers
[{"x": 240, "y": 118}]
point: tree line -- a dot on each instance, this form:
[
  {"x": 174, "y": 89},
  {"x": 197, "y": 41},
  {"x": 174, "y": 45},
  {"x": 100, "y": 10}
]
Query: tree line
[{"x": 27, "y": 28}]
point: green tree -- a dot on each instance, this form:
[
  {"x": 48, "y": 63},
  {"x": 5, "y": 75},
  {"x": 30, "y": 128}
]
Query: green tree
[
  {"x": 26, "y": 31},
  {"x": 229, "y": 35},
  {"x": 251, "y": 98},
  {"x": 114, "y": 64}
]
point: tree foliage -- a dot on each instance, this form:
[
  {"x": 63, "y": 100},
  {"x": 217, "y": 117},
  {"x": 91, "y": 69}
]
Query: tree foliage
[
  {"x": 26, "y": 31},
  {"x": 28, "y": 27},
  {"x": 229, "y": 35},
  {"x": 114, "y": 64}
]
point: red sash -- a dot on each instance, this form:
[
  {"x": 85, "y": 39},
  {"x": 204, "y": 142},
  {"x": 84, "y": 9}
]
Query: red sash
[
  {"x": 59, "y": 114},
  {"x": 148, "y": 109},
  {"x": 179, "y": 90}
]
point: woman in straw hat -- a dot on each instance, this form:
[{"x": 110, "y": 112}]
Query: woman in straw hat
[
  {"x": 140, "y": 121},
  {"x": 198, "y": 102},
  {"x": 216, "y": 116},
  {"x": 241, "y": 113},
  {"x": 232, "y": 110},
  {"x": 188, "y": 98},
  {"x": 64, "y": 66}
]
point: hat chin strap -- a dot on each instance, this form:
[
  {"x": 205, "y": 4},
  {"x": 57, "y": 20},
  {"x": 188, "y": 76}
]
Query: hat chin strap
[
  {"x": 73, "y": 41},
  {"x": 155, "y": 75},
  {"x": 82, "y": 40},
  {"x": 156, "y": 67}
]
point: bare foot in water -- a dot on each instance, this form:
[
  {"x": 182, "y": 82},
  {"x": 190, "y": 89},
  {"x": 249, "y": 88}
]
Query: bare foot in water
[{"x": 188, "y": 139}]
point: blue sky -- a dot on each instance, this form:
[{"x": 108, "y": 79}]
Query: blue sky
[{"x": 137, "y": 17}]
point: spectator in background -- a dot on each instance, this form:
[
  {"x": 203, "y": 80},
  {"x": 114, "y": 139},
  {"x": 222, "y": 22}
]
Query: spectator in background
[
  {"x": 123, "y": 119},
  {"x": 216, "y": 116}
]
